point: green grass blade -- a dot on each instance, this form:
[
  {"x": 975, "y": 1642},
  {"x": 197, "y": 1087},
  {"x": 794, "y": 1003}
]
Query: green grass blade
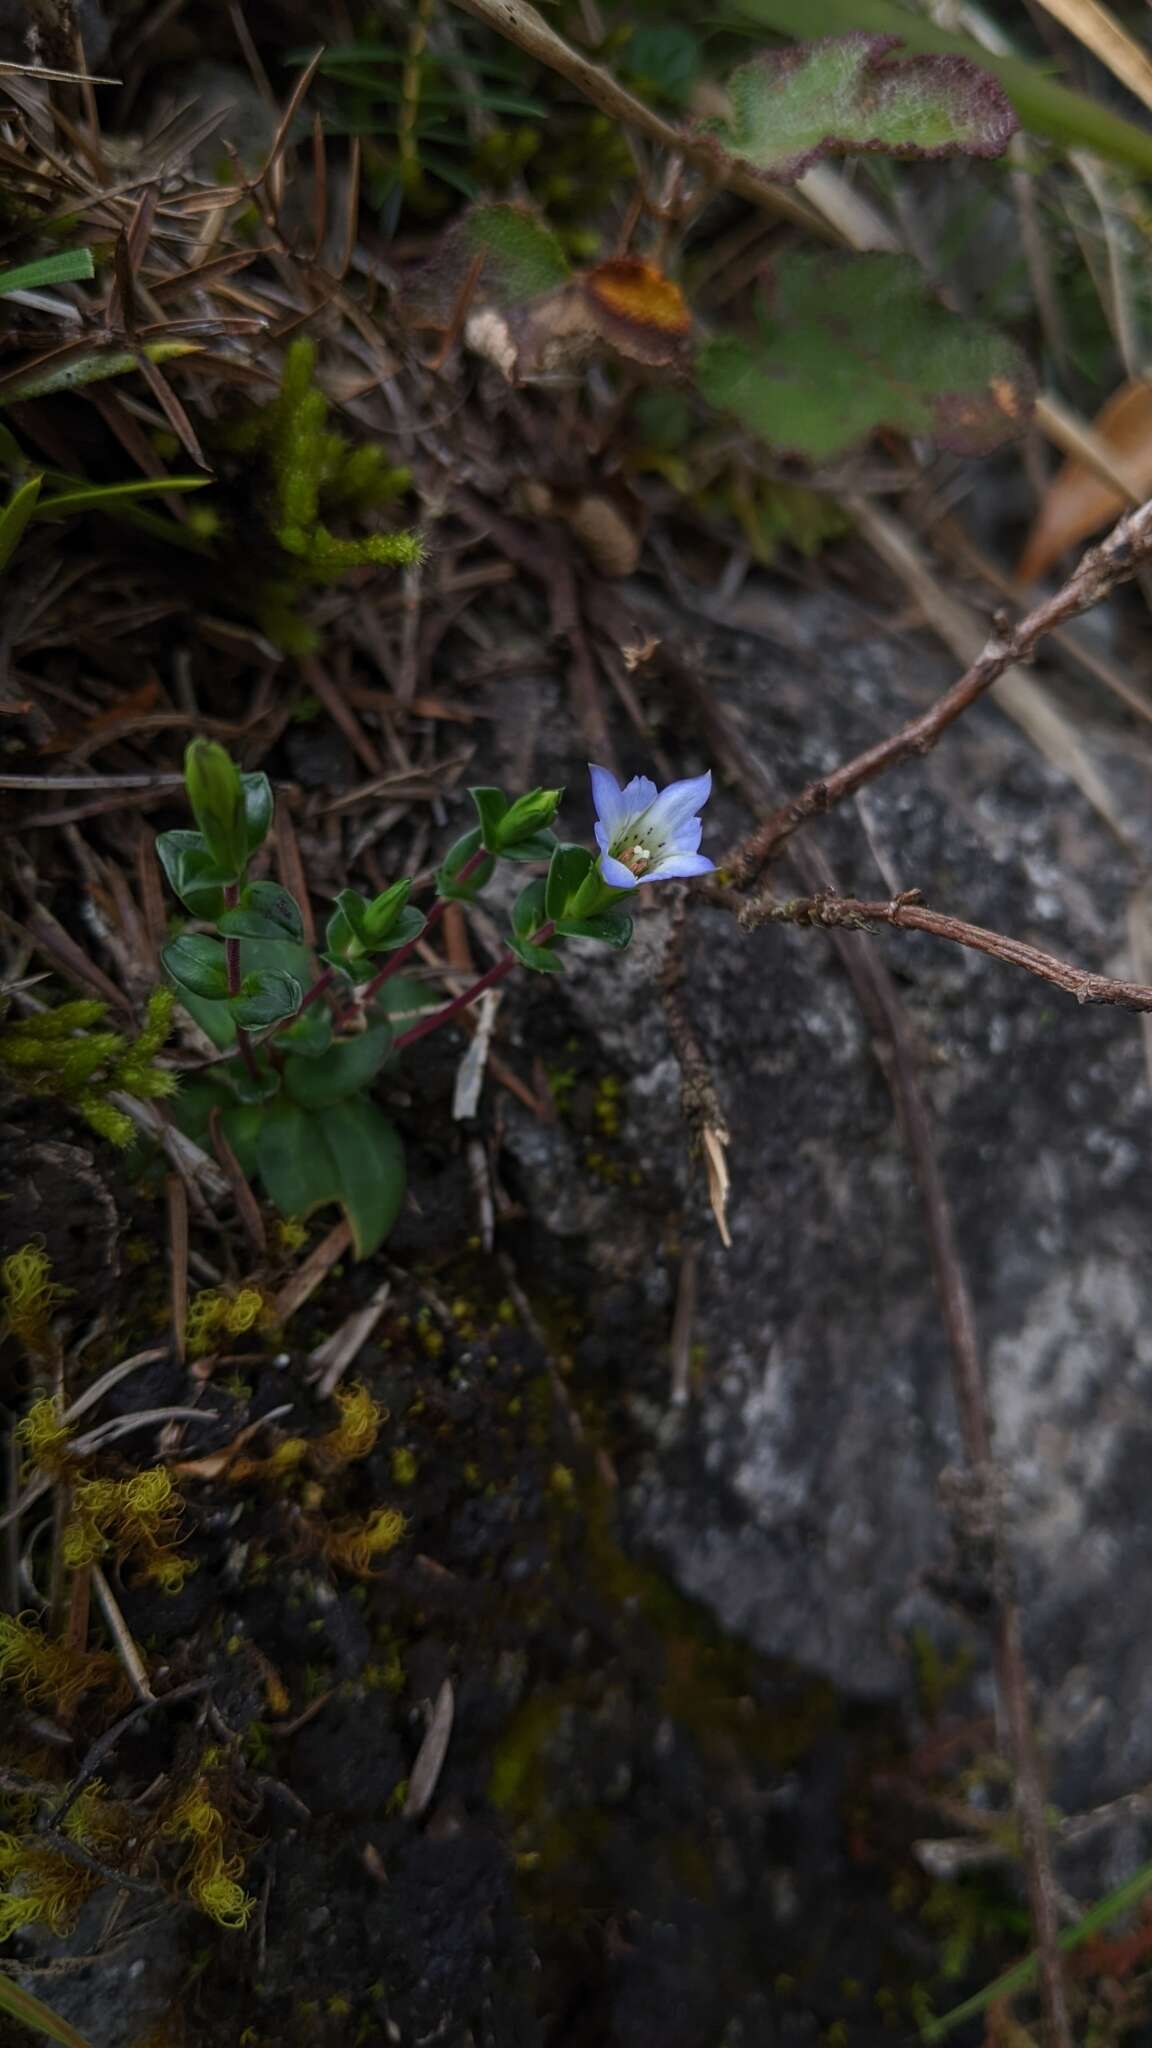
[
  {"x": 31, "y": 2012},
  {"x": 1023, "y": 1974},
  {"x": 1043, "y": 105},
  {"x": 15, "y": 516},
  {"x": 111, "y": 497},
  {"x": 66, "y": 267},
  {"x": 72, "y": 369}
]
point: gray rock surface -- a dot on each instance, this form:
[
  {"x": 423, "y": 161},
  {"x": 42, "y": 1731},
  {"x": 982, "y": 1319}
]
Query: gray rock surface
[{"x": 797, "y": 1494}]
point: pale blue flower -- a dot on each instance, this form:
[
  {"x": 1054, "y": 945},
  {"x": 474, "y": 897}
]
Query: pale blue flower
[{"x": 645, "y": 835}]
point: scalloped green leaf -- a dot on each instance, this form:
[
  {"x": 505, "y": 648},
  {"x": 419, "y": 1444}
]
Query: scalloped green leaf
[
  {"x": 853, "y": 344},
  {"x": 522, "y": 256},
  {"x": 845, "y": 94}
]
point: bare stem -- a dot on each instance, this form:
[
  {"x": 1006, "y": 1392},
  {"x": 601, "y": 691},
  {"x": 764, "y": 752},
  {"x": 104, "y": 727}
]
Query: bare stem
[
  {"x": 468, "y": 996},
  {"x": 907, "y": 913},
  {"x": 1098, "y": 573}
]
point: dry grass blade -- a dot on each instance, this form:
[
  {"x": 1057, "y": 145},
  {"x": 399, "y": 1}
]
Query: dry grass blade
[
  {"x": 431, "y": 1754},
  {"x": 1100, "y": 32},
  {"x": 331, "y": 1360}
]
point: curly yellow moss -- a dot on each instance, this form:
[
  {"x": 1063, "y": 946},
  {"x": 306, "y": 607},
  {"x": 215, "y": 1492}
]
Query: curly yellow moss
[
  {"x": 291, "y": 1236},
  {"x": 216, "y": 1313},
  {"x": 357, "y": 1545},
  {"x": 31, "y": 1297},
  {"x": 356, "y": 1433},
  {"x": 44, "y": 1436},
  {"x": 44, "y": 1670},
  {"x": 211, "y": 1877},
  {"x": 136, "y": 1520},
  {"x": 40, "y": 1887}
]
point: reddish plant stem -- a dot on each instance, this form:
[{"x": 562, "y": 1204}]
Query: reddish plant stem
[
  {"x": 495, "y": 973},
  {"x": 317, "y": 989},
  {"x": 232, "y": 962}
]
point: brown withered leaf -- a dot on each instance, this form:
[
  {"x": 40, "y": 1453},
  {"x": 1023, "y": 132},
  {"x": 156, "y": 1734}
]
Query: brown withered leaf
[
  {"x": 1078, "y": 503},
  {"x": 638, "y": 311}
]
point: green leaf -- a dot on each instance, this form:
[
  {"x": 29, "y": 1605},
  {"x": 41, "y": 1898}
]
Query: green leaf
[
  {"x": 15, "y": 516},
  {"x": 570, "y": 866},
  {"x": 347, "y": 1067},
  {"x": 266, "y": 997},
  {"x": 265, "y": 911},
  {"x": 491, "y": 808},
  {"x": 259, "y": 805},
  {"x": 71, "y": 368},
  {"x": 112, "y": 497},
  {"x": 528, "y": 914},
  {"x": 347, "y": 1153},
  {"x": 310, "y": 1034},
  {"x": 611, "y": 927},
  {"x": 853, "y": 344},
  {"x": 791, "y": 106},
  {"x": 539, "y": 958},
  {"x": 528, "y": 911},
  {"x": 540, "y": 846},
  {"x": 1043, "y": 105},
  {"x": 67, "y": 266},
  {"x": 256, "y": 955},
  {"x": 192, "y": 873},
  {"x": 39, "y": 2018},
  {"x": 522, "y": 256},
  {"x": 293, "y": 1161},
  {"x": 212, "y": 780},
  {"x": 197, "y": 964},
  {"x": 369, "y": 1160},
  {"x": 383, "y": 913},
  {"x": 456, "y": 858}
]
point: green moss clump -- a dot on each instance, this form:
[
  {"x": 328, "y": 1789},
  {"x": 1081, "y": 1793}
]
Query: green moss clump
[
  {"x": 310, "y": 475},
  {"x": 61, "y": 1053}
]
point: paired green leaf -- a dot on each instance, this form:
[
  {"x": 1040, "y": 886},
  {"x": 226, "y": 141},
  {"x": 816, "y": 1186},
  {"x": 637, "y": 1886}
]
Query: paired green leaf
[
  {"x": 216, "y": 796},
  {"x": 256, "y": 956},
  {"x": 528, "y": 914},
  {"x": 198, "y": 965},
  {"x": 266, "y": 998},
  {"x": 31, "y": 2012},
  {"x": 359, "y": 928},
  {"x": 265, "y": 911},
  {"x": 854, "y": 344},
  {"x": 192, "y": 873},
  {"x": 448, "y": 884},
  {"x": 791, "y": 106}
]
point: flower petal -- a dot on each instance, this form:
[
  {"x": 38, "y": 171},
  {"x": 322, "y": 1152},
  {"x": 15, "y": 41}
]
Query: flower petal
[
  {"x": 678, "y": 864},
  {"x": 615, "y": 873},
  {"x": 603, "y": 836},
  {"x": 676, "y": 806},
  {"x": 637, "y": 797},
  {"x": 607, "y": 797}
]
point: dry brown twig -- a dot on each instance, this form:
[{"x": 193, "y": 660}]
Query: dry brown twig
[
  {"x": 907, "y": 913},
  {"x": 1101, "y": 571}
]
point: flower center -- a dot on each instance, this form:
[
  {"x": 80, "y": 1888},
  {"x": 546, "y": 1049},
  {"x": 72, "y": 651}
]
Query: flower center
[{"x": 635, "y": 858}]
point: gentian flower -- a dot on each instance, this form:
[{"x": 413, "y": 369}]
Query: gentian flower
[{"x": 645, "y": 835}]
